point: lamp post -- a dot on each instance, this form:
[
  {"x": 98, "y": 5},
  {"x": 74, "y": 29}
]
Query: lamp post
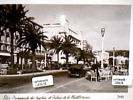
[
  {"x": 113, "y": 56},
  {"x": 102, "y": 33},
  {"x": 62, "y": 20}
]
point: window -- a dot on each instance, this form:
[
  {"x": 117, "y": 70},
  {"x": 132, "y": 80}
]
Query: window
[
  {"x": 3, "y": 38},
  {"x": 8, "y": 39},
  {"x": 8, "y": 48},
  {"x": 3, "y": 47}
]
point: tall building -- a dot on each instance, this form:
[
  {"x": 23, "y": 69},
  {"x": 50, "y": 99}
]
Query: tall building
[
  {"x": 4, "y": 48},
  {"x": 19, "y": 55},
  {"x": 5, "y": 42},
  {"x": 98, "y": 56},
  {"x": 50, "y": 30},
  {"x": 86, "y": 46},
  {"x": 57, "y": 29}
]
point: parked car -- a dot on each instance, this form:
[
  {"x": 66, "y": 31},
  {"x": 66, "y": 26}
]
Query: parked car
[{"x": 77, "y": 70}]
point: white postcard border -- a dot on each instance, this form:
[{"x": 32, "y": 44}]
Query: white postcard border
[{"x": 93, "y": 96}]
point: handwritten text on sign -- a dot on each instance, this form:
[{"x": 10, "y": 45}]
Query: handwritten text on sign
[
  {"x": 42, "y": 81},
  {"x": 121, "y": 80}
]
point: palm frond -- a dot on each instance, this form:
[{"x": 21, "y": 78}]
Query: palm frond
[{"x": 33, "y": 36}]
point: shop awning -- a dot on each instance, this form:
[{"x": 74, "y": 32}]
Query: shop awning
[{"x": 5, "y": 54}]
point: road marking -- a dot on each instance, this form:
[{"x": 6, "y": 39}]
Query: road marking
[{"x": 63, "y": 85}]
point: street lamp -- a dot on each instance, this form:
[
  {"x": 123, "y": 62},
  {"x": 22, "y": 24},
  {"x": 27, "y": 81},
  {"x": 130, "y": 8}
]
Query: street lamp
[
  {"x": 113, "y": 56},
  {"x": 102, "y": 33},
  {"x": 62, "y": 20}
]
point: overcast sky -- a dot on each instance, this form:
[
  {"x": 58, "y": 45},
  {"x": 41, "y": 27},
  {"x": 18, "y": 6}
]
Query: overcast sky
[{"x": 90, "y": 19}]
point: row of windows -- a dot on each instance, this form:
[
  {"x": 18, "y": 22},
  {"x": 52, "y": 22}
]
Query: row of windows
[
  {"x": 5, "y": 39},
  {"x": 8, "y": 49},
  {"x": 8, "y": 41},
  {"x": 5, "y": 48}
]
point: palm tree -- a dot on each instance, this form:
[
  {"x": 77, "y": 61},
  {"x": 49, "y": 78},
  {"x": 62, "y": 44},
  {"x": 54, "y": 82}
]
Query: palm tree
[
  {"x": 83, "y": 55},
  {"x": 68, "y": 48},
  {"x": 55, "y": 44},
  {"x": 13, "y": 18},
  {"x": 33, "y": 38}
]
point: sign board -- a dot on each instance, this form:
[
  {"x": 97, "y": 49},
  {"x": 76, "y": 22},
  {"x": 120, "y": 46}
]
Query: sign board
[
  {"x": 121, "y": 80},
  {"x": 42, "y": 81}
]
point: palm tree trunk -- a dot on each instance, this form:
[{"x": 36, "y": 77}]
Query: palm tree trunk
[
  {"x": 66, "y": 60},
  {"x": 12, "y": 49},
  {"x": 77, "y": 61},
  {"x": 33, "y": 62},
  {"x": 58, "y": 59}
]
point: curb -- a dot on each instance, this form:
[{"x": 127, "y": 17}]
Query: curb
[{"x": 11, "y": 78}]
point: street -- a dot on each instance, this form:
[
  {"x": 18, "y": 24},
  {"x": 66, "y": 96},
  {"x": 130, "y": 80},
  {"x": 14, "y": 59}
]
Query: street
[{"x": 64, "y": 84}]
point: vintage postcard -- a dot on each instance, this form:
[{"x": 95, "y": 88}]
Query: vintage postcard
[{"x": 64, "y": 48}]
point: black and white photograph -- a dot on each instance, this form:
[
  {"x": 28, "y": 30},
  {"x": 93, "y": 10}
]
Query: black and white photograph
[{"x": 81, "y": 46}]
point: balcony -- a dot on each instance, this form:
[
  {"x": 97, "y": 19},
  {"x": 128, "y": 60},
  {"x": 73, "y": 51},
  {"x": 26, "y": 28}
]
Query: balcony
[
  {"x": 5, "y": 42},
  {"x": 1, "y": 41},
  {"x": 5, "y": 51}
]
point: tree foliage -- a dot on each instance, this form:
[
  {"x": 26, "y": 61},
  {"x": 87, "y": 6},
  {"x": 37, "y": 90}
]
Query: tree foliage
[
  {"x": 12, "y": 20},
  {"x": 32, "y": 38}
]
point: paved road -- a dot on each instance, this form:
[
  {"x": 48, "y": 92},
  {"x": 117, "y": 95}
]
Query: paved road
[{"x": 63, "y": 84}]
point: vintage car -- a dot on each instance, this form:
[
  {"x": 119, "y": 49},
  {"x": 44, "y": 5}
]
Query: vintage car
[{"x": 77, "y": 70}]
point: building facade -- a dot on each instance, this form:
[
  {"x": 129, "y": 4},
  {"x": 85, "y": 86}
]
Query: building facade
[
  {"x": 19, "y": 55},
  {"x": 98, "y": 56},
  {"x": 57, "y": 29},
  {"x": 50, "y": 30}
]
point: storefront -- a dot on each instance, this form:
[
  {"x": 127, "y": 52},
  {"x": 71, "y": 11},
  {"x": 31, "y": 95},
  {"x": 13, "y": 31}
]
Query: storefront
[
  {"x": 4, "y": 58},
  {"x": 25, "y": 58}
]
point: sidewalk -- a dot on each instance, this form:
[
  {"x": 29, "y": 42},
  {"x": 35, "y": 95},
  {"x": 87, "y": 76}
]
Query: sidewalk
[{"x": 106, "y": 86}]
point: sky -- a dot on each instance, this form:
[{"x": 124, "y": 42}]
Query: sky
[{"x": 90, "y": 19}]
